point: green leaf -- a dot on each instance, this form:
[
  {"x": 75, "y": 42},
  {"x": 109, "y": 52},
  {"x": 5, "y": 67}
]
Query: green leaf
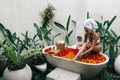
[
  {"x": 67, "y": 40},
  {"x": 112, "y": 20},
  {"x": 34, "y": 37},
  {"x": 68, "y": 23},
  {"x": 59, "y": 25},
  {"x": 74, "y": 22},
  {"x": 99, "y": 25},
  {"x": 48, "y": 32},
  {"x": 2, "y": 28},
  {"x": 57, "y": 35},
  {"x": 111, "y": 52},
  {"x": 114, "y": 34},
  {"x": 70, "y": 33},
  {"x": 39, "y": 33},
  {"x": 107, "y": 22},
  {"x": 47, "y": 38},
  {"x": 27, "y": 39},
  {"x": 43, "y": 30},
  {"x": 23, "y": 47},
  {"x": 118, "y": 38},
  {"x": 14, "y": 37},
  {"x": 105, "y": 50},
  {"x": 88, "y": 15}
]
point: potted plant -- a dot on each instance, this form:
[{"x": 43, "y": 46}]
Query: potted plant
[
  {"x": 17, "y": 70},
  {"x": 34, "y": 47},
  {"x": 12, "y": 48},
  {"x": 37, "y": 59}
]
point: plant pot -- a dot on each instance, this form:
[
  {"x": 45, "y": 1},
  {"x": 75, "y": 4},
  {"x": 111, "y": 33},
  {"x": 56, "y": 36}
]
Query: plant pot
[
  {"x": 22, "y": 74},
  {"x": 41, "y": 67},
  {"x": 117, "y": 64}
]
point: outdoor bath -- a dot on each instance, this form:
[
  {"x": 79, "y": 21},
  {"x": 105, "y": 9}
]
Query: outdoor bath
[{"x": 87, "y": 70}]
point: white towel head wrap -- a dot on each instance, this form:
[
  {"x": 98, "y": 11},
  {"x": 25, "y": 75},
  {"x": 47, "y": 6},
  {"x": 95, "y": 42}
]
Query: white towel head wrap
[{"x": 91, "y": 24}]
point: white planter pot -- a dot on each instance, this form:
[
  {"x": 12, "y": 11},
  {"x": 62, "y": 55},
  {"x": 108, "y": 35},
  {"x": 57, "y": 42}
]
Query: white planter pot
[
  {"x": 41, "y": 67},
  {"x": 117, "y": 64},
  {"x": 22, "y": 74}
]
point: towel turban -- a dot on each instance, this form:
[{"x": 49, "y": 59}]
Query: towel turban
[{"x": 90, "y": 24}]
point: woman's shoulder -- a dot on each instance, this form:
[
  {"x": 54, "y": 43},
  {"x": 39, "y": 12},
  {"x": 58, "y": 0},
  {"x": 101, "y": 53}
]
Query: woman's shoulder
[{"x": 96, "y": 35}]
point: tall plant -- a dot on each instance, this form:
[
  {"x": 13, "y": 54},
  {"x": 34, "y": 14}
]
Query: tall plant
[
  {"x": 43, "y": 32},
  {"x": 12, "y": 47},
  {"x": 34, "y": 50},
  {"x": 15, "y": 40},
  {"x": 66, "y": 29},
  {"x": 47, "y": 15},
  {"x": 44, "y": 35},
  {"x": 108, "y": 37}
]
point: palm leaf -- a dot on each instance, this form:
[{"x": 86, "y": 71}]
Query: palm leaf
[
  {"x": 57, "y": 35},
  {"x": 39, "y": 33},
  {"x": 68, "y": 23},
  {"x": 34, "y": 37},
  {"x": 59, "y": 25},
  {"x": 118, "y": 38},
  {"x": 74, "y": 22},
  {"x": 107, "y": 22},
  {"x": 112, "y": 20},
  {"x": 88, "y": 15},
  {"x": 48, "y": 32},
  {"x": 67, "y": 40},
  {"x": 70, "y": 33},
  {"x": 114, "y": 34}
]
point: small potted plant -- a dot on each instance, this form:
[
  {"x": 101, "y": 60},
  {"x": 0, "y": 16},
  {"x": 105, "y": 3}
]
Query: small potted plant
[
  {"x": 12, "y": 48},
  {"x": 37, "y": 59},
  {"x": 17, "y": 69}
]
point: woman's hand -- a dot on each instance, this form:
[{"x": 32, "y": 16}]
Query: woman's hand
[
  {"x": 73, "y": 59},
  {"x": 80, "y": 56}
]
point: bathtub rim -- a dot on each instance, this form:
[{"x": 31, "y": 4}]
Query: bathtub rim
[{"x": 102, "y": 63}]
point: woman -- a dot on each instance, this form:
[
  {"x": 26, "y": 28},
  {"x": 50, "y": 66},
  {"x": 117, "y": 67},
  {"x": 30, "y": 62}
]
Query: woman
[{"x": 91, "y": 40}]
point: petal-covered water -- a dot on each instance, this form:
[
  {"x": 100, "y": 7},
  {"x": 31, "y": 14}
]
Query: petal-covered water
[{"x": 69, "y": 53}]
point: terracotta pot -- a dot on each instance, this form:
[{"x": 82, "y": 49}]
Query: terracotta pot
[{"x": 22, "y": 74}]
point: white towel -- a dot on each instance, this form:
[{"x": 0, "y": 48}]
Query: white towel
[{"x": 91, "y": 24}]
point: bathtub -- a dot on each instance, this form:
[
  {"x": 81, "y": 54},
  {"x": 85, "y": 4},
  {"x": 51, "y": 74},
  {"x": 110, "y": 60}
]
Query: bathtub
[{"x": 86, "y": 70}]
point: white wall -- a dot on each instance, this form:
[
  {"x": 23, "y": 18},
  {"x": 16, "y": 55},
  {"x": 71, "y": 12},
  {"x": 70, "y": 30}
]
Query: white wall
[
  {"x": 19, "y": 15},
  {"x": 77, "y": 10},
  {"x": 107, "y": 9}
]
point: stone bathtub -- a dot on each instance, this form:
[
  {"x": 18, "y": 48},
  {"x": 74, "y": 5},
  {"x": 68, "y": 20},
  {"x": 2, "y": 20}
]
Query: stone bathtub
[{"x": 87, "y": 70}]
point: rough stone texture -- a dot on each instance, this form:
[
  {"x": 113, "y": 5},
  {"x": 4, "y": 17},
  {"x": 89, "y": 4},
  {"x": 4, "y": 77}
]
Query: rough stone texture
[{"x": 61, "y": 74}]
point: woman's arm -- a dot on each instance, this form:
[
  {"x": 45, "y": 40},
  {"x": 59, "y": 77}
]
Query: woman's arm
[
  {"x": 84, "y": 44},
  {"x": 82, "y": 49}
]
